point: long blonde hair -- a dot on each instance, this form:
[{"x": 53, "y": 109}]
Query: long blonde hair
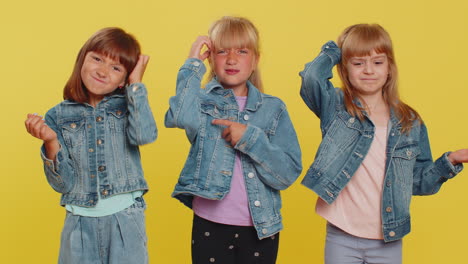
[
  {"x": 360, "y": 40},
  {"x": 236, "y": 32}
]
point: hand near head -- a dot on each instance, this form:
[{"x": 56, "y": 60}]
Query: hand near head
[
  {"x": 233, "y": 131},
  {"x": 197, "y": 46},
  {"x": 459, "y": 156},
  {"x": 137, "y": 74}
]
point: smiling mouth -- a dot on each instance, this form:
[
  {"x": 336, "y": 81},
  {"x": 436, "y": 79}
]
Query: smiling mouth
[
  {"x": 98, "y": 80},
  {"x": 232, "y": 71}
]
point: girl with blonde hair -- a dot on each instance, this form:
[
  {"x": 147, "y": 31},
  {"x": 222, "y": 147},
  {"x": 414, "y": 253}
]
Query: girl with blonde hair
[
  {"x": 374, "y": 153},
  {"x": 244, "y": 148}
]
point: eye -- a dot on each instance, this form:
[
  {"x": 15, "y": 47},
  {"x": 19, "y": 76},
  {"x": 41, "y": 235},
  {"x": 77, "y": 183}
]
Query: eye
[
  {"x": 117, "y": 68},
  {"x": 221, "y": 52},
  {"x": 96, "y": 58},
  {"x": 357, "y": 63},
  {"x": 379, "y": 62},
  {"x": 243, "y": 51}
]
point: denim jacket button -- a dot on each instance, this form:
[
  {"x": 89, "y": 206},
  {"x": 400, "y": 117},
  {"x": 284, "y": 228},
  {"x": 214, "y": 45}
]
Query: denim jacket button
[
  {"x": 101, "y": 168},
  {"x": 73, "y": 125},
  {"x": 408, "y": 153},
  {"x": 48, "y": 163},
  {"x": 351, "y": 120},
  {"x": 257, "y": 203},
  {"x": 99, "y": 141},
  {"x": 90, "y": 150},
  {"x": 92, "y": 176},
  {"x": 105, "y": 192},
  {"x": 246, "y": 117},
  {"x": 98, "y": 119},
  {"x": 392, "y": 233},
  {"x": 264, "y": 231},
  {"x": 135, "y": 88},
  {"x": 250, "y": 175},
  {"x": 389, "y": 183},
  {"x": 388, "y": 209},
  {"x": 196, "y": 63},
  {"x": 118, "y": 112}
]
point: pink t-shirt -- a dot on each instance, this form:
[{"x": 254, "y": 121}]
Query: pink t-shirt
[
  {"x": 234, "y": 208},
  {"x": 357, "y": 210}
]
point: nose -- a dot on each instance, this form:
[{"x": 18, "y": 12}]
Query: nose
[
  {"x": 102, "y": 71},
  {"x": 369, "y": 68},
  {"x": 231, "y": 58}
]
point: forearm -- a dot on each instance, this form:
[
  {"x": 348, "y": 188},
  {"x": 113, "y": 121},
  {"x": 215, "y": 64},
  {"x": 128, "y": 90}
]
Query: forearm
[
  {"x": 316, "y": 90},
  {"x": 183, "y": 107},
  {"x": 141, "y": 127}
]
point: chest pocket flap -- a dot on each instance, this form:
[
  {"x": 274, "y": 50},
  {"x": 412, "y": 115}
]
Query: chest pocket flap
[
  {"x": 213, "y": 110},
  {"x": 408, "y": 152},
  {"x": 117, "y": 112}
]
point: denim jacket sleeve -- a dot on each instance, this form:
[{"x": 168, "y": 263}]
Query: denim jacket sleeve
[
  {"x": 60, "y": 172},
  {"x": 141, "y": 128},
  {"x": 183, "y": 112},
  {"x": 428, "y": 176},
  {"x": 317, "y": 91},
  {"x": 277, "y": 158}
]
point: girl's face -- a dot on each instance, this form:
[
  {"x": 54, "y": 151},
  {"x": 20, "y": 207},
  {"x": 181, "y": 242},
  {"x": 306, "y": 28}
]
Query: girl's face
[
  {"x": 368, "y": 74},
  {"x": 233, "y": 68},
  {"x": 101, "y": 75}
]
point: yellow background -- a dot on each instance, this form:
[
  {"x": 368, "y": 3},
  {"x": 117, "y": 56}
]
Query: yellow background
[{"x": 39, "y": 43}]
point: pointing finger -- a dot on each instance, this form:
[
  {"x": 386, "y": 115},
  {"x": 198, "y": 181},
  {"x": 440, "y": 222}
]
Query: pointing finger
[{"x": 222, "y": 122}]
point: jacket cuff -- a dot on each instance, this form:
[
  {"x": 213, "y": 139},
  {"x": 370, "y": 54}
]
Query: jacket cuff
[
  {"x": 136, "y": 89},
  {"x": 195, "y": 65},
  {"x": 248, "y": 139},
  {"x": 448, "y": 168},
  {"x": 331, "y": 49},
  {"x": 52, "y": 165}
]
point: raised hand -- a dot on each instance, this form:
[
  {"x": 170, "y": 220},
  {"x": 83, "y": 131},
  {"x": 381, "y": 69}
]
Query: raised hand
[
  {"x": 233, "y": 131},
  {"x": 459, "y": 156},
  {"x": 197, "y": 46},
  {"x": 37, "y": 127},
  {"x": 137, "y": 74}
]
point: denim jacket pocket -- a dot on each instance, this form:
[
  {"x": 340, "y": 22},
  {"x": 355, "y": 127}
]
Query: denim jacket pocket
[
  {"x": 404, "y": 159},
  {"x": 116, "y": 116},
  {"x": 211, "y": 111},
  {"x": 73, "y": 133}
]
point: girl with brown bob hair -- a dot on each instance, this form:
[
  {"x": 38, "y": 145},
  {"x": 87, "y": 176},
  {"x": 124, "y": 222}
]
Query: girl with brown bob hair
[
  {"x": 91, "y": 151},
  {"x": 374, "y": 153},
  {"x": 111, "y": 42}
]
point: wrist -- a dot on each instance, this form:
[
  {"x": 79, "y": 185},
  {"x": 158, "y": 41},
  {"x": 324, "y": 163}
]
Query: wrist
[{"x": 451, "y": 159}]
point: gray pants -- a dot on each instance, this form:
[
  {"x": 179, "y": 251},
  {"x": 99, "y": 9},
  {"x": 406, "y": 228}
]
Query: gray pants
[
  {"x": 343, "y": 248},
  {"x": 119, "y": 238}
]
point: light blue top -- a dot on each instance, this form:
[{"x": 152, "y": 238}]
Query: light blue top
[{"x": 107, "y": 206}]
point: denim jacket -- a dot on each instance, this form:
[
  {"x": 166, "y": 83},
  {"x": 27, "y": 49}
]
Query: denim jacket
[
  {"x": 409, "y": 168},
  {"x": 99, "y": 146},
  {"x": 269, "y": 150}
]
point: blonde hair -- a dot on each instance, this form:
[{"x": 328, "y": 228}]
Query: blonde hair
[
  {"x": 360, "y": 40},
  {"x": 236, "y": 32}
]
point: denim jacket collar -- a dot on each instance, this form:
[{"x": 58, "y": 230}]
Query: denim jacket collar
[{"x": 254, "y": 98}]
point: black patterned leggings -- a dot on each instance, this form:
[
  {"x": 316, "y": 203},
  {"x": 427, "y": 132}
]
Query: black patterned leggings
[{"x": 228, "y": 244}]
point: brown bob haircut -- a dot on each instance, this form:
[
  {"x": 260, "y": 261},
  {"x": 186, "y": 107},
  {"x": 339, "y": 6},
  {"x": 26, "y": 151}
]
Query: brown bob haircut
[
  {"x": 360, "y": 40},
  {"x": 112, "y": 42}
]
